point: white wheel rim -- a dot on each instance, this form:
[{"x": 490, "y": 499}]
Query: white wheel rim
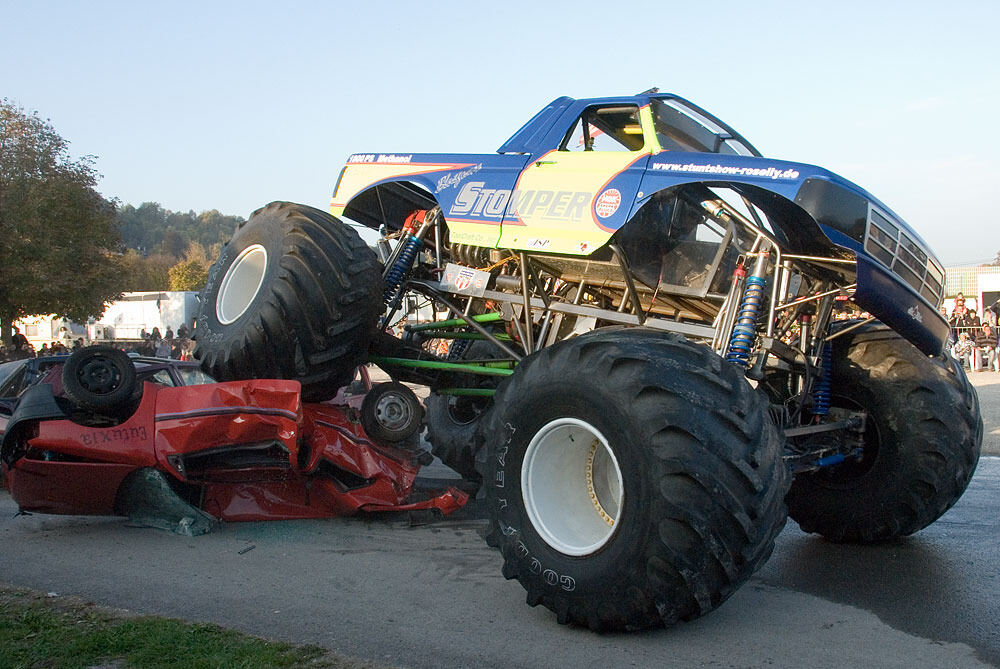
[
  {"x": 241, "y": 284},
  {"x": 572, "y": 486}
]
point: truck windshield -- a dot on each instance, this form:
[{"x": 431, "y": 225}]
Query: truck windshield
[{"x": 680, "y": 128}]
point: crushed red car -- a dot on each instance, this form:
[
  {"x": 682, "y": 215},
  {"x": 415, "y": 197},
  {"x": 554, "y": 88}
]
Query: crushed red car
[{"x": 89, "y": 438}]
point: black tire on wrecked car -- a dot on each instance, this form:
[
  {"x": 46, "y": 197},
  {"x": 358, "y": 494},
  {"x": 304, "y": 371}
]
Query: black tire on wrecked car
[
  {"x": 391, "y": 412},
  {"x": 923, "y": 436},
  {"x": 295, "y": 294},
  {"x": 101, "y": 379},
  {"x": 631, "y": 479},
  {"x": 452, "y": 421}
]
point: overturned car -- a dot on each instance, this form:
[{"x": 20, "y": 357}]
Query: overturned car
[{"x": 91, "y": 438}]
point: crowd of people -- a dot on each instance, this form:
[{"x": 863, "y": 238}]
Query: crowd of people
[
  {"x": 21, "y": 348},
  {"x": 178, "y": 346},
  {"x": 974, "y": 341}
]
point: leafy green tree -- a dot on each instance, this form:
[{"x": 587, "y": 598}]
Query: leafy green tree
[
  {"x": 145, "y": 273},
  {"x": 188, "y": 275},
  {"x": 150, "y": 228},
  {"x": 191, "y": 272},
  {"x": 173, "y": 243},
  {"x": 142, "y": 227},
  {"x": 59, "y": 240}
]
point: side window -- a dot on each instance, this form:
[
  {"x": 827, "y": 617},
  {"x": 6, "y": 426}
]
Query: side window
[
  {"x": 161, "y": 376},
  {"x": 194, "y": 376},
  {"x": 12, "y": 376},
  {"x": 679, "y": 128},
  {"x": 614, "y": 128}
]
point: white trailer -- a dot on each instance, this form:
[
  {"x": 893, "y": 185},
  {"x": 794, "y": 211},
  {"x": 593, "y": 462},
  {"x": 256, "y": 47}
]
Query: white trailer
[{"x": 127, "y": 318}]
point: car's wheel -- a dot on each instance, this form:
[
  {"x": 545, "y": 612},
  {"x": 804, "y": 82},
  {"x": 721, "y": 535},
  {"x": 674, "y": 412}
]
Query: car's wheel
[
  {"x": 101, "y": 379},
  {"x": 294, "y": 295},
  {"x": 391, "y": 413},
  {"x": 452, "y": 420},
  {"x": 631, "y": 479},
  {"x": 922, "y": 441}
]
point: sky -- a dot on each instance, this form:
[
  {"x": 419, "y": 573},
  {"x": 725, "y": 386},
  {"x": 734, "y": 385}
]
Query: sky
[{"x": 231, "y": 105}]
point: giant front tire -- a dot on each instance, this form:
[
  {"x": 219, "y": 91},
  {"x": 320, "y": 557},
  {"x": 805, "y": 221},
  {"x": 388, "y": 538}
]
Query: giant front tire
[
  {"x": 922, "y": 441},
  {"x": 294, "y": 295},
  {"x": 632, "y": 479}
]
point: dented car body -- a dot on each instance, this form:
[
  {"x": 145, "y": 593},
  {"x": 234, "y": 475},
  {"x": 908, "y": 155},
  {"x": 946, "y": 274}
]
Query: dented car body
[{"x": 232, "y": 451}]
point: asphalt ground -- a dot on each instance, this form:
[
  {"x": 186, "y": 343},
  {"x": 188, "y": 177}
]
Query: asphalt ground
[
  {"x": 988, "y": 388},
  {"x": 398, "y": 590}
]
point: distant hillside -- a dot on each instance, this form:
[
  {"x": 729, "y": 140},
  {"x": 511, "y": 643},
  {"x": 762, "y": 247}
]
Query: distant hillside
[{"x": 150, "y": 229}]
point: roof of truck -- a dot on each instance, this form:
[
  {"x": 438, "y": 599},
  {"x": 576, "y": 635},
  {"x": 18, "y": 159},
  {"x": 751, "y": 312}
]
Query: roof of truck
[{"x": 534, "y": 135}]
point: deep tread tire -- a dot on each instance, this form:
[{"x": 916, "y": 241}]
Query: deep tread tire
[
  {"x": 452, "y": 422},
  {"x": 926, "y": 432},
  {"x": 313, "y": 314},
  {"x": 702, "y": 478},
  {"x": 101, "y": 379}
]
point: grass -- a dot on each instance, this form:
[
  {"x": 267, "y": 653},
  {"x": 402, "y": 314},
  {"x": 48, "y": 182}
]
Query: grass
[{"x": 65, "y": 632}]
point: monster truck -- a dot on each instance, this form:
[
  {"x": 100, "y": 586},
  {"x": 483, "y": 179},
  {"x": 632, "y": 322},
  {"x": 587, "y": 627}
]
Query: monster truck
[{"x": 650, "y": 362}]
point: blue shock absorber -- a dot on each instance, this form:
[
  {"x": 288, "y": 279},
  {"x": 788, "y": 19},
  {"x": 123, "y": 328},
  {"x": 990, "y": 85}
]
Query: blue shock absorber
[
  {"x": 821, "y": 389},
  {"x": 745, "y": 329},
  {"x": 404, "y": 261}
]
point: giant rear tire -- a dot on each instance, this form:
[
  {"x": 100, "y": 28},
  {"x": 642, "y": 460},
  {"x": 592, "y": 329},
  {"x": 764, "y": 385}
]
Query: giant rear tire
[
  {"x": 294, "y": 295},
  {"x": 632, "y": 479},
  {"x": 452, "y": 421},
  {"x": 922, "y": 442}
]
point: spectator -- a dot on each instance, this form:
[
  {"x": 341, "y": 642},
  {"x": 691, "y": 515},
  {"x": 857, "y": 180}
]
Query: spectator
[
  {"x": 155, "y": 335},
  {"x": 65, "y": 337},
  {"x": 182, "y": 332},
  {"x": 951, "y": 329},
  {"x": 962, "y": 350},
  {"x": 957, "y": 312},
  {"x": 972, "y": 320},
  {"x": 169, "y": 334},
  {"x": 986, "y": 344},
  {"x": 163, "y": 348},
  {"x": 18, "y": 340},
  {"x": 990, "y": 315},
  {"x": 960, "y": 320},
  {"x": 442, "y": 348}
]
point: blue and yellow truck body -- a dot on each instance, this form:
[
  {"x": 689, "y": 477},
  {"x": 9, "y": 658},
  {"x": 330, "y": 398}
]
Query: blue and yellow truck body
[{"x": 545, "y": 192}]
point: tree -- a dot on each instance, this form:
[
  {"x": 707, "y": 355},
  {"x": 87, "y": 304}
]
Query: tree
[
  {"x": 59, "y": 240},
  {"x": 142, "y": 227},
  {"x": 149, "y": 227},
  {"x": 145, "y": 274},
  {"x": 173, "y": 244},
  {"x": 191, "y": 272}
]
